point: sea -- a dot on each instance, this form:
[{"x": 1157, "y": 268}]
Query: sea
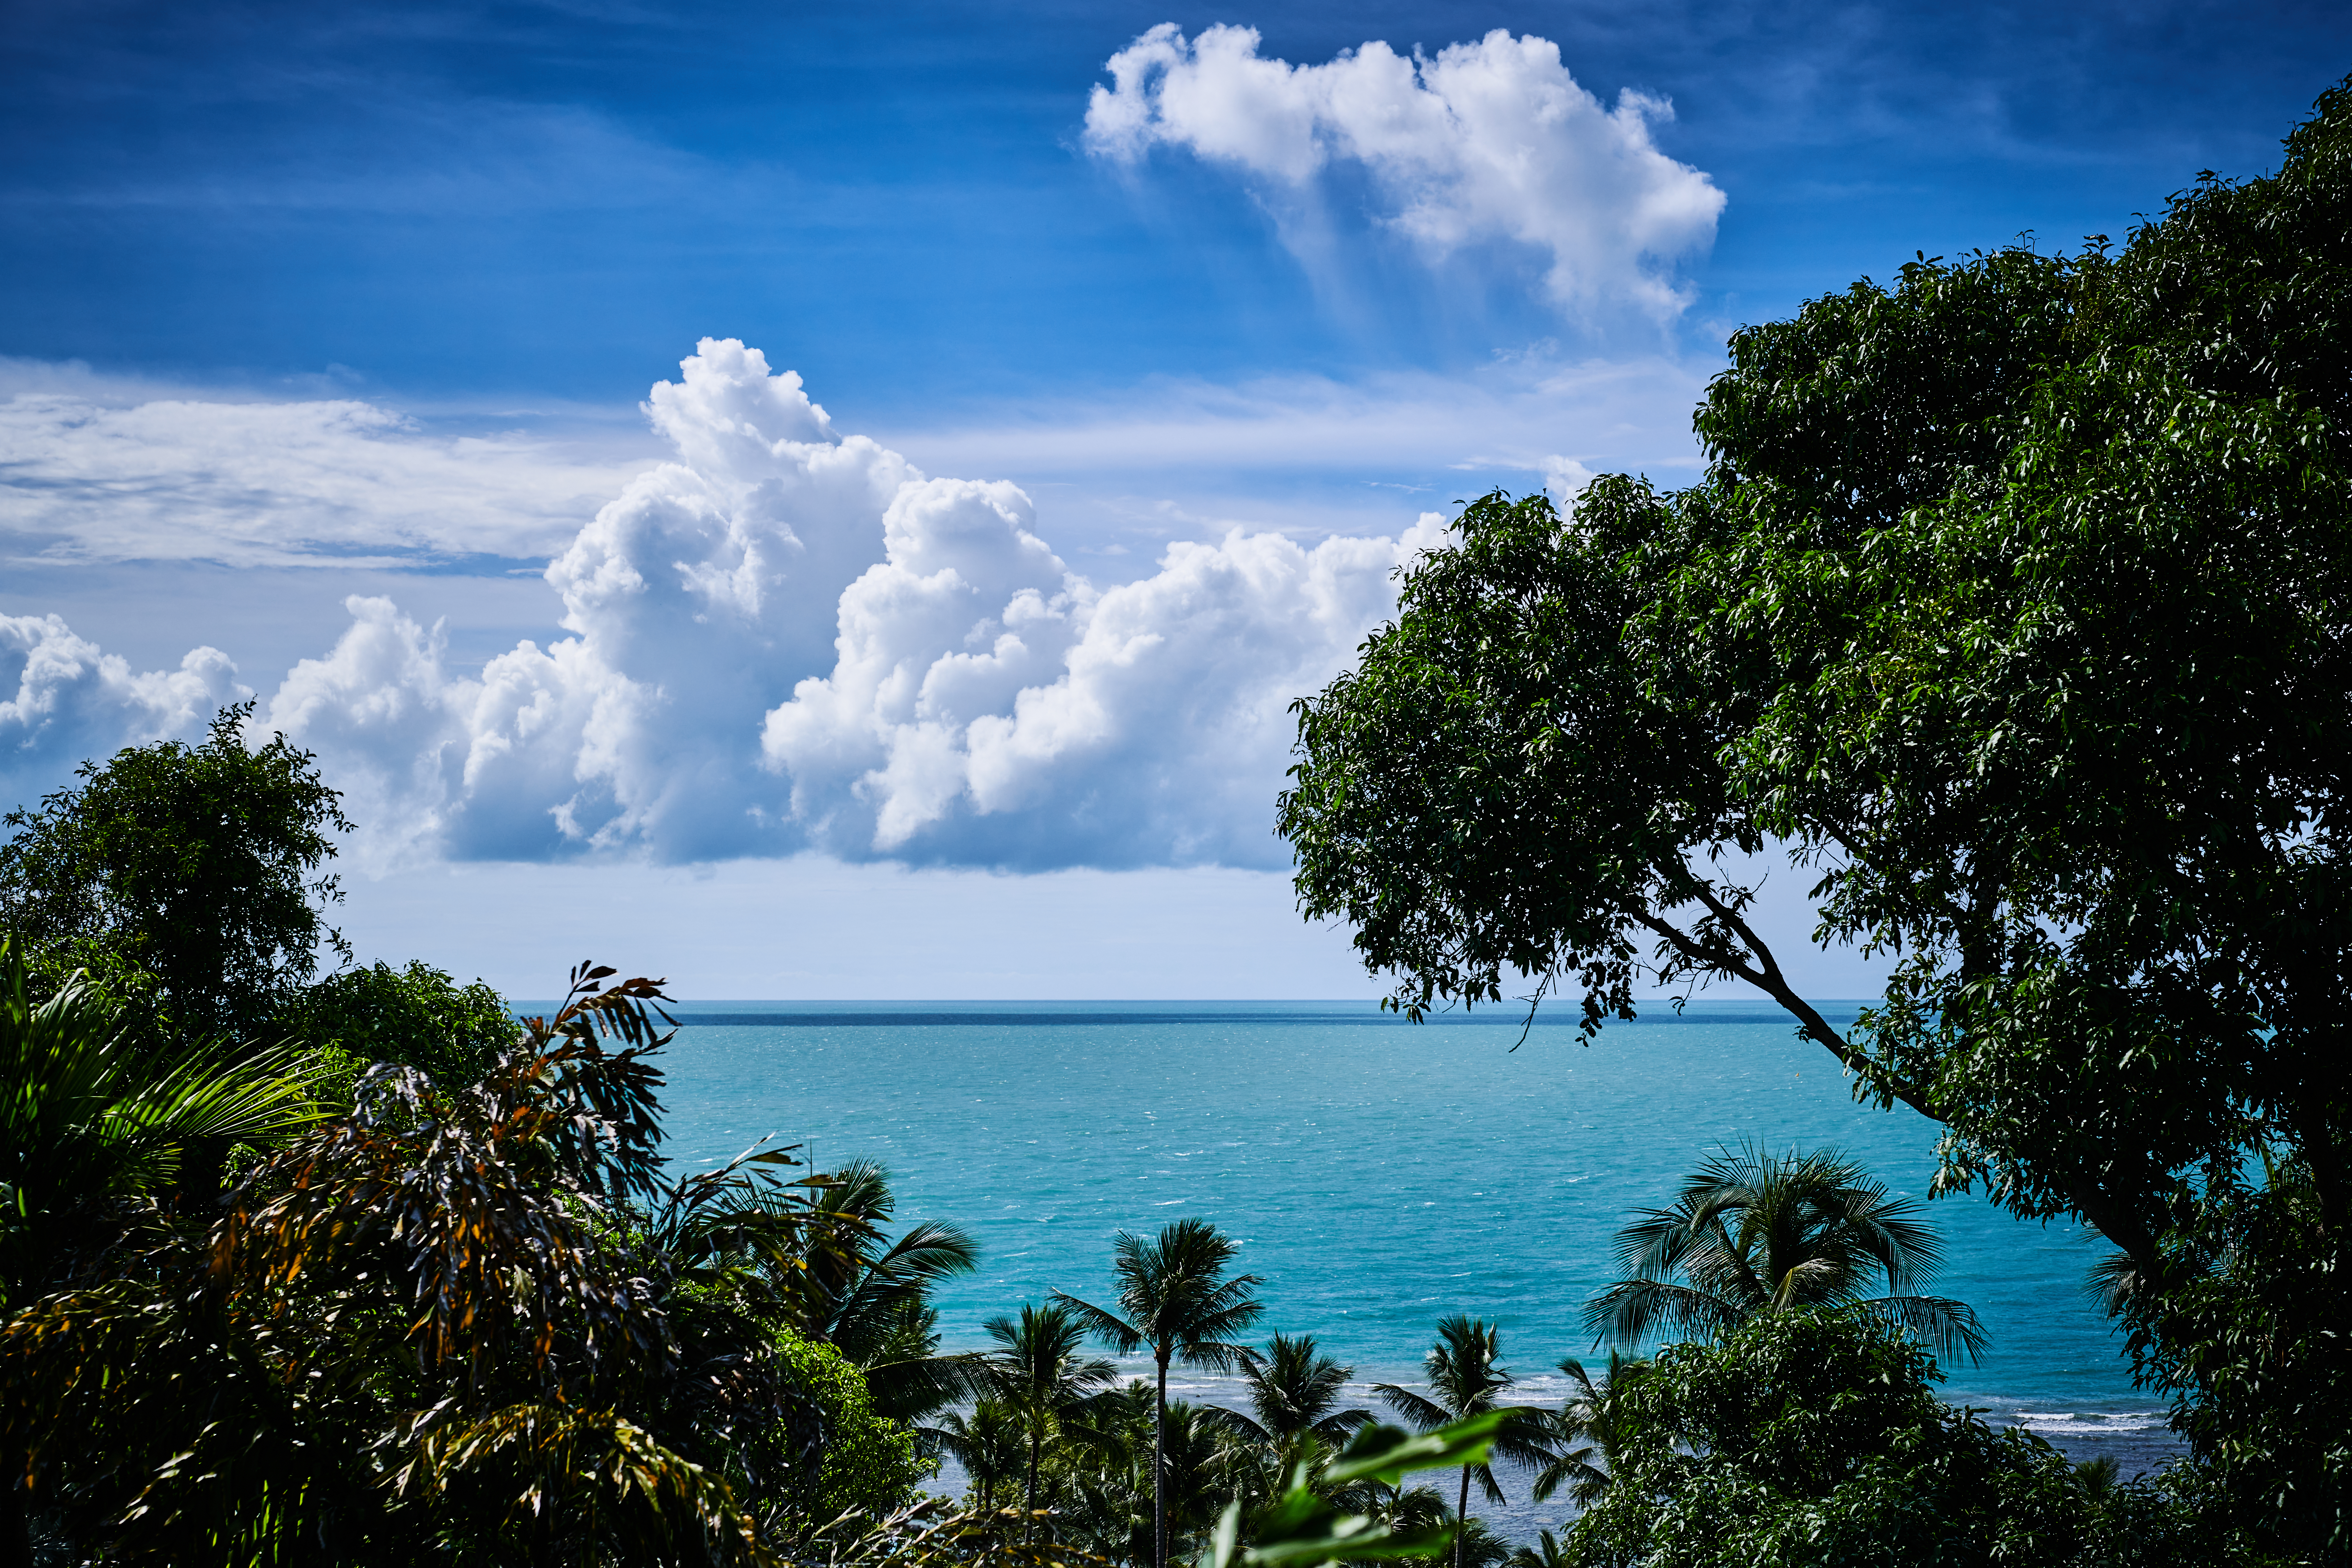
[{"x": 1377, "y": 1174}]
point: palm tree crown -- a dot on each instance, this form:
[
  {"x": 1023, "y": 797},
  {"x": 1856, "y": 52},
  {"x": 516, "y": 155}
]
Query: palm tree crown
[
  {"x": 1040, "y": 1373},
  {"x": 1588, "y": 1431},
  {"x": 1293, "y": 1392},
  {"x": 1180, "y": 1305},
  {"x": 1754, "y": 1232},
  {"x": 870, "y": 1298},
  {"x": 1466, "y": 1378}
]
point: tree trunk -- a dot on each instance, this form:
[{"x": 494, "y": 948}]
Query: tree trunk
[
  {"x": 1461, "y": 1517},
  {"x": 1029, "y": 1496},
  {"x": 1160, "y": 1469}
]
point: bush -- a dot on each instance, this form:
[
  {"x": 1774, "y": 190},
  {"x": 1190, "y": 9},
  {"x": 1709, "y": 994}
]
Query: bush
[
  {"x": 418, "y": 1017},
  {"x": 1815, "y": 1438},
  {"x": 869, "y": 1465}
]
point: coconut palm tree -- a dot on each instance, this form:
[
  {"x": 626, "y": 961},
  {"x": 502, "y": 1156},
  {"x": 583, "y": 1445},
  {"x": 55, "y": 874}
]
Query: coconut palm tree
[
  {"x": 1293, "y": 1392},
  {"x": 870, "y": 1297},
  {"x": 1755, "y": 1232},
  {"x": 1546, "y": 1554},
  {"x": 1587, "y": 1432},
  {"x": 1179, "y": 1306},
  {"x": 1040, "y": 1373},
  {"x": 989, "y": 1443},
  {"x": 1466, "y": 1378}
]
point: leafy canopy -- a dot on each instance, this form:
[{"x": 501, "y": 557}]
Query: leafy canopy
[
  {"x": 193, "y": 871},
  {"x": 2014, "y": 608}
]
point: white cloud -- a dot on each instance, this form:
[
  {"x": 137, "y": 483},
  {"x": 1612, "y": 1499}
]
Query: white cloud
[
  {"x": 329, "y": 481},
  {"x": 790, "y": 638},
  {"x": 1484, "y": 142},
  {"x": 67, "y": 701}
]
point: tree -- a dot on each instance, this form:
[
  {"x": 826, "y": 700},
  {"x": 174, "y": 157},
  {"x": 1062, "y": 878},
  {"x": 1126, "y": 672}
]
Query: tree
[
  {"x": 1180, "y": 1305},
  {"x": 870, "y": 1296},
  {"x": 1040, "y": 1372},
  {"x": 191, "y": 865},
  {"x": 989, "y": 1443},
  {"x": 1466, "y": 1378},
  {"x": 2012, "y": 608},
  {"x": 1813, "y": 1437},
  {"x": 418, "y": 1017},
  {"x": 1756, "y": 1232},
  {"x": 94, "y": 1134},
  {"x": 1294, "y": 1392},
  {"x": 1586, "y": 1434}
]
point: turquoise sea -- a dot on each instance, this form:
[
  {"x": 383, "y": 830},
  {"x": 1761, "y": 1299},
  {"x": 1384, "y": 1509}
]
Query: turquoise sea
[{"x": 1378, "y": 1174}]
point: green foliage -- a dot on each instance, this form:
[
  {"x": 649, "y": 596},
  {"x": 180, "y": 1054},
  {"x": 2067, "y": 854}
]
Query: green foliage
[
  {"x": 470, "y": 1322},
  {"x": 193, "y": 867},
  {"x": 1180, "y": 1304},
  {"x": 1813, "y": 1438},
  {"x": 1758, "y": 1232},
  {"x": 417, "y": 1017},
  {"x": 2015, "y": 605},
  {"x": 1467, "y": 1379},
  {"x": 1305, "y": 1528},
  {"x": 89, "y": 1125},
  {"x": 870, "y": 1465}
]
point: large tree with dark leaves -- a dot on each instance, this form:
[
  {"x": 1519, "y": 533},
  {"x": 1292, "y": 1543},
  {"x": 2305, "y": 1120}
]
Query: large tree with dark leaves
[
  {"x": 195, "y": 870},
  {"x": 2015, "y": 606}
]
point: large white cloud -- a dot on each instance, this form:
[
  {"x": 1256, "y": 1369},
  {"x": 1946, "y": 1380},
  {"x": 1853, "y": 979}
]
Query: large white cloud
[
  {"x": 1491, "y": 142},
  {"x": 63, "y": 700},
  {"x": 787, "y": 638}
]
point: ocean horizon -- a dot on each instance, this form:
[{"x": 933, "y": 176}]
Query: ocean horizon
[{"x": 1377, "y": 1174}]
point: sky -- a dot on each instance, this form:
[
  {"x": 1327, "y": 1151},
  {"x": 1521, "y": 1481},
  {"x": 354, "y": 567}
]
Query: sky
[{"x": 836, "y": 502}]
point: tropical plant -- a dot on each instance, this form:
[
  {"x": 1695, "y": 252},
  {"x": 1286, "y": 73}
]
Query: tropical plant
[
  {"x": 1544, "y": 1554},
  {"x": 1756, "y": 1232},
  {"x": 1307, "y": 1527},
  {"x": 1466, "y": 1378},
  {"x": 195, "y": 868},
  {"x": 1180, "y": 1304},
  {"x": 97, "y": 1136},
  {"x": 1040, "y": 1373},
  {"x": 991, "y": 1442},
  {"x": 868, "y": 1295},
  {"x": 1294, "y": 1392},
  {"x": 473, "y": 1320},
  {"x": 1586, "y": 1434},
  {"x": 89, "y": 1124},
  {"x": 418, "y": 1017}
]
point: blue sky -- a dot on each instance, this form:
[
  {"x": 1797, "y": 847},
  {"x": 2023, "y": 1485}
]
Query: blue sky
[{"x": 308, "y": 306}]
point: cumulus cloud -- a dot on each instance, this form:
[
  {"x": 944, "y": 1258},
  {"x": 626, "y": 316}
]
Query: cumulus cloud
[
  {"x": 332, "y": 481},
  {"x": 1485, "y": 142},
  {"x": 790, "y": 638},
  {"x": 69, "y": 701}
]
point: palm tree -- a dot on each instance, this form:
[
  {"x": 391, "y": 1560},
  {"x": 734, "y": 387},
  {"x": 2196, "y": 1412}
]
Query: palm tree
[
  {"x": 1755, "y": 1232},
  {"x": 1466, "y": 1378},
  {"x": 89, "y": 1119},
  {"x": 1294, "y": 1389},
  {"x": 1587, "y": 1432},
  {"x": 1042, "y": 1374},
  {"x": 1179, "y": 1306},
  {"x": 870, "y": 1298},
  {"x": 91, "y": 1123},
  {"x": 1545, "y": 1555},
  {"x": 988, "y": 1443}
]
